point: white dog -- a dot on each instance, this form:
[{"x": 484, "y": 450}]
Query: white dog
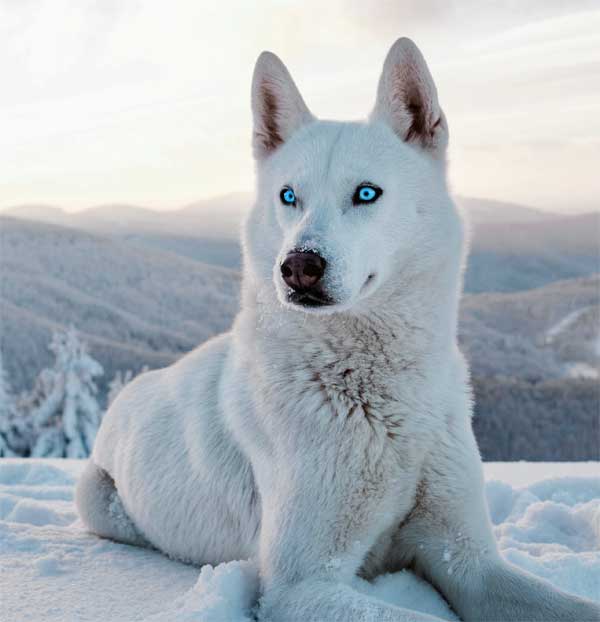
[{"x": 329, "y": 433}]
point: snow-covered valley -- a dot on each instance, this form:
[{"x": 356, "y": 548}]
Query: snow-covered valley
[{"x": 546, "y": 518}]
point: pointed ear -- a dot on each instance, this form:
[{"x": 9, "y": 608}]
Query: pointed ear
[
  {"x": 277, "y": 105},
  {"x": 407, "y": 99}
]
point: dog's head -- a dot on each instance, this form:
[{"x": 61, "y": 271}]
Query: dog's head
[{"x": 343, "y": 207}]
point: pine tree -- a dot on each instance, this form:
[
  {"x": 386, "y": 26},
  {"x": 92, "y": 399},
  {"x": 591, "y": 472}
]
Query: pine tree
[
  {"x": 8, "y": 416},
  {"x": 63, "y": 406}
]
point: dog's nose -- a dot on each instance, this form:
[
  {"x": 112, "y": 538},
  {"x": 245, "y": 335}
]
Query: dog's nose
[{"x": 302, "y": 270}]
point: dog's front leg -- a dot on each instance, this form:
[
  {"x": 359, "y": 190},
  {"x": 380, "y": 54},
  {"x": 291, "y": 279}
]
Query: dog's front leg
[
  {"x": 308, "y": 557},
  {"x": 507, "y": 593},
  {"x": 449, "y": 537}
]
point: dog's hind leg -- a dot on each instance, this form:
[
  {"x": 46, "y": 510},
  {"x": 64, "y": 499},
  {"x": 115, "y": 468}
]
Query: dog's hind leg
[{"x": 101, "y": 508}]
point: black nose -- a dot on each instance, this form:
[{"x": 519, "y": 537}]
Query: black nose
[{"x": 302, "y": 270}]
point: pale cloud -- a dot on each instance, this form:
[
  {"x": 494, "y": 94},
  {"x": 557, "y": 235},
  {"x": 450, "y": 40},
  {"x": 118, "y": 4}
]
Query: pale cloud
[
  {"x": 446, "y": 17},
  {"x": 148, "y": 102}
]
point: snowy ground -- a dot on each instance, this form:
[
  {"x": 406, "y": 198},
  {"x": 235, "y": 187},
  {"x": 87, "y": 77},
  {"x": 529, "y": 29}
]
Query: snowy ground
[{"x": 546, "y": 516}]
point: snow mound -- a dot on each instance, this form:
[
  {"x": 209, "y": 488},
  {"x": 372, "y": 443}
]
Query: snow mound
[
  {"x": 33, "y": 472},
  {"x": 227, "y": 592},
  {"x": 559, "y": 514},
  {"x": 33, "y": 512},
  {"x": 546, "y": 518}
]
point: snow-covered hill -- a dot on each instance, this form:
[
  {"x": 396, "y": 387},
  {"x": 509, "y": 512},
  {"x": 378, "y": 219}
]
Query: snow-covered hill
[
  {"x": 546, "y": 519},
  {"x": 539, "y": 334},
  {"x": 134, "y": 306}
]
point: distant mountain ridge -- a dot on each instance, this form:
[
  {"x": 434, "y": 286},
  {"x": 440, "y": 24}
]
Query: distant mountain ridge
[
  {"x": 231, "y": 209},
  {"x": 509, "y": 257},
  {"x": 491, "y": 211},
  {"x": 514, "y": 247},
  {"x": 219, "y": 217}
]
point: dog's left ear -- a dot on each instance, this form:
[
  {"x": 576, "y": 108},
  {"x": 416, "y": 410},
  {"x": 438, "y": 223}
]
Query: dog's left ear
[
  {"x": 277, "y": 106},
  {"x": 407, "y": 99}
]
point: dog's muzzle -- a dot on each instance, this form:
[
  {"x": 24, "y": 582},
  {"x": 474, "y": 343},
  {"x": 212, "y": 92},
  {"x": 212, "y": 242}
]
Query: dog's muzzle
[{"x": 302, "y": 272}]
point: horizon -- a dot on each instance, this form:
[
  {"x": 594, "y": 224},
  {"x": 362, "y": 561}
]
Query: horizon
[
  {"x": 141, "y": 105},
  {"x": 241, "y": 194}
]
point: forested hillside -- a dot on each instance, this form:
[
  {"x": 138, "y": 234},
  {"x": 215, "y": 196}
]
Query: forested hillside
[
  {"x": 134, "y": 306},
  {"x": 520, "y": 420},
  {"x": 143, "y": 299}
]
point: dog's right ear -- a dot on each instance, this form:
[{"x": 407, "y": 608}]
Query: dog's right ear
[{"x": 277, "y": 106}]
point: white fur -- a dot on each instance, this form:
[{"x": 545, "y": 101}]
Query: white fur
[{"x": 331, "y": 441}]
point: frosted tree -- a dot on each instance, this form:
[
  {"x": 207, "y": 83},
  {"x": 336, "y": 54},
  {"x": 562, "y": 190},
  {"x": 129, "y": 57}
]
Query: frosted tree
[
  {"x": 64, "y": 409},
  {"x": 8, "y": 417}
]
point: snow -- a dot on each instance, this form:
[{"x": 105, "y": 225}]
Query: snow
[
  {"x": 546, "y": 518},
  {"x": 581, "y": 370},
  {"x": 562, "y": 325}
]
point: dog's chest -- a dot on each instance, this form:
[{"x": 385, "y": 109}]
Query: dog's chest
[
  {"x": 353, "y": 383},
  {"x": 382, "y": 388},
  {"x": 345, "y": 417},
  {"x": 376, "y": 422}
]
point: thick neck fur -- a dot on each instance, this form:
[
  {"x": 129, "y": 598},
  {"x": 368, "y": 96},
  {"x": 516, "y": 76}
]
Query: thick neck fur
[{"x": 405, "y": 325}]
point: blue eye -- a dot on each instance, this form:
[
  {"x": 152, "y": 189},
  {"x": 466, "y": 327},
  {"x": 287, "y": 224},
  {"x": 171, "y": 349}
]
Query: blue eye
[
  {"x": 287, "y": 196},
  {"x": 366, "y": 193}
]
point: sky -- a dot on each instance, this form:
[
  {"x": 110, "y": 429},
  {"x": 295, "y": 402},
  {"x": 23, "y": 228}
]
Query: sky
[{"x": 147, "y": 102}]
